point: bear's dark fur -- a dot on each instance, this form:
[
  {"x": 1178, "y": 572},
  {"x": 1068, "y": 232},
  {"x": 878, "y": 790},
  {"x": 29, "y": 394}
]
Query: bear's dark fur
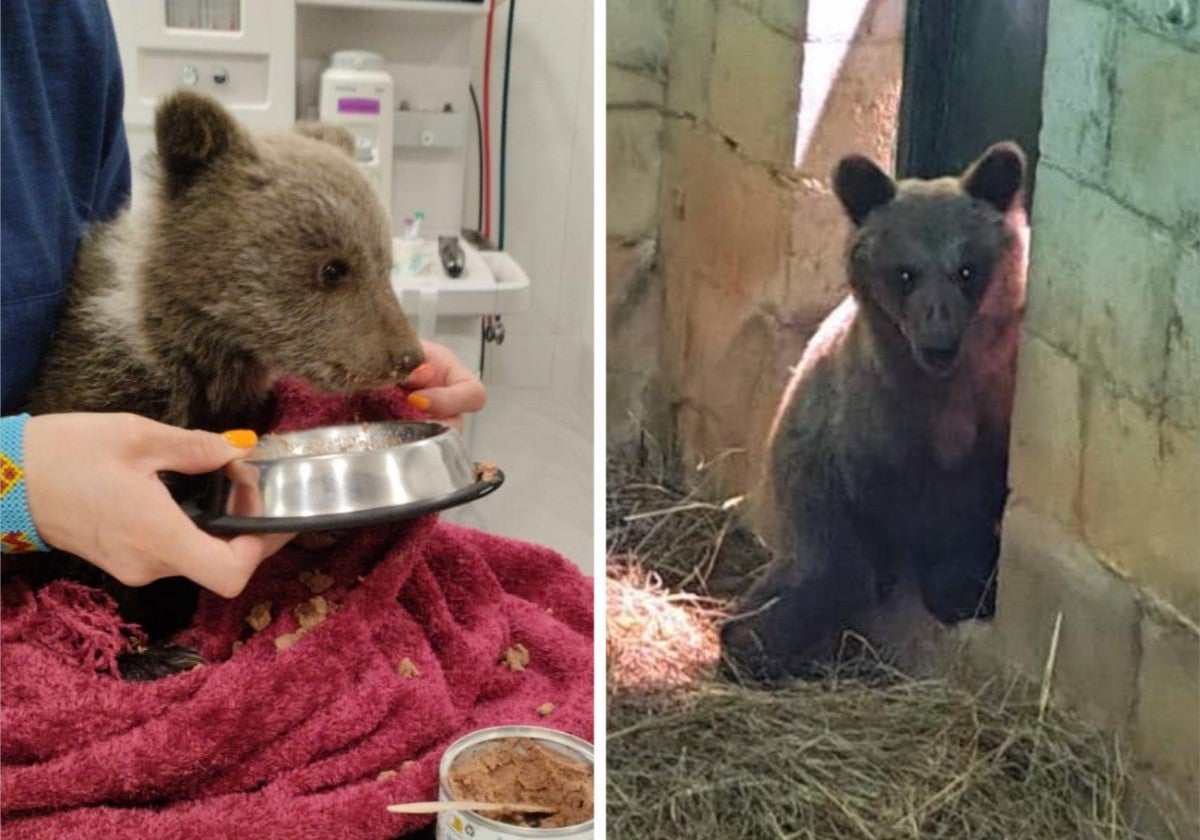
[
  {"x": 888, "y": 455},
  {"x": 256, "y": 256}
]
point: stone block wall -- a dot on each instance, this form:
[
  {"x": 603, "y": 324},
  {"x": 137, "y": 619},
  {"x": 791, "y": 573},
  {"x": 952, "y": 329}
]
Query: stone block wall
[
  {"x": 1103, "y": 524},
  {"x": 638, "y": 51},
  {"x": 751, "y": 234},
  {"x": 725, "y": 241}
]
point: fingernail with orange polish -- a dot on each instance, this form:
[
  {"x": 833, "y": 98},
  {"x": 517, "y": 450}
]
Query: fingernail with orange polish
[
  {"x": 241, "y": 438},
  {"x": 423, "y": 369},
  {"x": 419, "y": 401}
]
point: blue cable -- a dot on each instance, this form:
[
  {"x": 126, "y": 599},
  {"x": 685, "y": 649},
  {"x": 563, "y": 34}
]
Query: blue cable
[{"x": 512, "y": 13}]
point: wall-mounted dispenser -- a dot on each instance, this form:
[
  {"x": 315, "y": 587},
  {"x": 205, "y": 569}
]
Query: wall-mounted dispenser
[{"x": 356, "y": 93}]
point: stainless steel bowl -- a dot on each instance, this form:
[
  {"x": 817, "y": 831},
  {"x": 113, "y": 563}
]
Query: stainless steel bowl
[{"x": 344, "y": 476}]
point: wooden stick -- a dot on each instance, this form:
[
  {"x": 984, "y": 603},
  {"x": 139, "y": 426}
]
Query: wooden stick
[{"x": 438, "y": 807}]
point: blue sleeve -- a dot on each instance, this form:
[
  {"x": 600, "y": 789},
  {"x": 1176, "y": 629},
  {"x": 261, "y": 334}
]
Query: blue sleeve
[{"x": 64, "y": 162}]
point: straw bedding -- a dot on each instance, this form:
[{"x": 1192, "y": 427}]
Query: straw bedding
[{"x": 864, "y": 751}]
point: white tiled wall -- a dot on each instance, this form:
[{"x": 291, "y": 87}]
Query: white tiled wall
[
  {"x": 549, "y": 199},
  {"x": 538, "y": 421}
]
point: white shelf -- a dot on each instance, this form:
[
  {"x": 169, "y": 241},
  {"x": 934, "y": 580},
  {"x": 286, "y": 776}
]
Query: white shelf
[{"x": 441, "y": 7}]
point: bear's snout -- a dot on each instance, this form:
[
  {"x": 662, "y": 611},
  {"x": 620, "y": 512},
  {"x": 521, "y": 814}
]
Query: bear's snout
[{"x": 406, "y": 361}]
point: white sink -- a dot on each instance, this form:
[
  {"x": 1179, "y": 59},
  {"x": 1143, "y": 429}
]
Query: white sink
[{"x": 491, "y": 283}]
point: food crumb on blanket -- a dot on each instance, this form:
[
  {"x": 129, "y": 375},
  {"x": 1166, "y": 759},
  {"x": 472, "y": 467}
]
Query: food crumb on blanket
[
  {"x": 520, "y": 770},
  {"x": 408, "y": 669},
  {"x": 384, "y": 775},
  {"x": 260, "y": 616},
  {"x": 316, "y": 581},
  {"x": 516, "y": 658},
  {"x": 286, "y": 640},
  {"x": 289, "y": 743},
  {"x": 546, "y": 709},
  {"x": 312, "y": 612},
  {"x": 309, "y": 614}
]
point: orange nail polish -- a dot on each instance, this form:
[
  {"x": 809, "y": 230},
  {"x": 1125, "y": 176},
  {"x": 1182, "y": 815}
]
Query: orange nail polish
[
  {"x": 419, "y": 401},
  {"x": 423, "y": 369},
  {"x": 241, "y": 438}
]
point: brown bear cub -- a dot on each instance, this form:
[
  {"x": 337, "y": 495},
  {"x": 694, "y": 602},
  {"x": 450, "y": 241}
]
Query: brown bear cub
[
  {"x": 255, "y": 256},
  {"x": 888, "y": 455}
]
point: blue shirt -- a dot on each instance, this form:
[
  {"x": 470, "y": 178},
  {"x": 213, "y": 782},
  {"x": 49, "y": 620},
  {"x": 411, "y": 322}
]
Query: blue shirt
[{"x": 64, "y": 162}]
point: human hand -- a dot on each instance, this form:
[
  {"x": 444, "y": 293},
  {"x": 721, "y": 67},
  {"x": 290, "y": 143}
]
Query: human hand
[
  {"x": 93, "y": 489},
  {"x": 444, "y": 386}
]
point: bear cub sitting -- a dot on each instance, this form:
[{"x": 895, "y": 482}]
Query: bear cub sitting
[
  {"x": 888, "y": 455},
  {"x": 255, "y": 256}
]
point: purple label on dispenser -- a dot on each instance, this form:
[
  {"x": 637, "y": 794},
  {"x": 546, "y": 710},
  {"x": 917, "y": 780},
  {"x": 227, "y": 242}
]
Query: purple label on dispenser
[{"x": 357, "y": 105}]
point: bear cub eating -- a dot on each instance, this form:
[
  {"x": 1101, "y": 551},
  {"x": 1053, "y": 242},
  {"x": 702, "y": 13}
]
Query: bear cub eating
[
  {"x": 255, "y": 256},
  {"x": 888, "y": 454}
]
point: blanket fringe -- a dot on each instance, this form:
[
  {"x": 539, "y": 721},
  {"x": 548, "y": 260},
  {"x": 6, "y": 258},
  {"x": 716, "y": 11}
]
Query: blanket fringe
[{"x": 77, "y": 623}]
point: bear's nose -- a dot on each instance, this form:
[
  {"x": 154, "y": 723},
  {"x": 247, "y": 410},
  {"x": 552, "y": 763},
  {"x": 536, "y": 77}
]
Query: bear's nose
[
  {"x": 937, "y": 312},
  {"x": 406, "y": 362}
]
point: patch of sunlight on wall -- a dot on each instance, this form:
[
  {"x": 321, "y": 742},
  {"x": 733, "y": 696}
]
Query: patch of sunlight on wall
[{"x": 821, "y": 67}]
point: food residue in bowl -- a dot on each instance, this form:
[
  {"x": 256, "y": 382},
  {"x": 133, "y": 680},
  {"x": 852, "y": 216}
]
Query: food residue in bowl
[
  {"x": 366, "y": 438},
  {"x": 523, "y": 770}
]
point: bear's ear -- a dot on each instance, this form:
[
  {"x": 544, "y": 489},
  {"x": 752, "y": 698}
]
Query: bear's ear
[
  {"x": 861, "y": 186},
  {"x": 335, "y": 135},
  {"x": 997, "y": 177},
  {"x": 191, "y": 132}
]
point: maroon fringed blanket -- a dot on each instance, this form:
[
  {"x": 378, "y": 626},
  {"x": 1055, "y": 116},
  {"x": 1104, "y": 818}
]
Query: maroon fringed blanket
[{"x": 291, "y": 743}]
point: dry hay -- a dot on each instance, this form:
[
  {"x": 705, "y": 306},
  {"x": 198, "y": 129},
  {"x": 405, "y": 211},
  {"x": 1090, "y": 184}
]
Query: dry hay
[
  {"x": 856, "y": 758},
  {"x": 692, "y": 542},
  {"x": 655, "y": 639},
  {"x": 865, "y": 752}
]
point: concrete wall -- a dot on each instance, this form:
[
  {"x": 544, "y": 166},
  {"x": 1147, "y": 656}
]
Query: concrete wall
[
  {"x": 638, "y": 53},
  {"x": 725, "y": 240},
  {"x": 1104, "y": 519}
]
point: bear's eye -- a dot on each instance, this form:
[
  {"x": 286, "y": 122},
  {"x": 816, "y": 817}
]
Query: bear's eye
[
  {"x": 906, "y": 280},
  {"x": 334, "y": 273},
  {"x": 966, "y": 274}
]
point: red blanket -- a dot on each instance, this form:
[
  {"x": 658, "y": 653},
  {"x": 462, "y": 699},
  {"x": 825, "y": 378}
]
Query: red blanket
[{"x": 311, "y": 740}]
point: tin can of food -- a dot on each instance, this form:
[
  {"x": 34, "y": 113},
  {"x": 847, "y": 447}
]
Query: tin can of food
[{"x": 456, "y": 825}]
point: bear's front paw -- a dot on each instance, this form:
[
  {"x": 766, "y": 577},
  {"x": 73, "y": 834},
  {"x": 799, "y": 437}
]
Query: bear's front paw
[
  {"x": 745, "y": 658},
  {"x": 953, "y": 596},
  {"x": 775, "y": 634},
  {"x": 157, "y": 661}
]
